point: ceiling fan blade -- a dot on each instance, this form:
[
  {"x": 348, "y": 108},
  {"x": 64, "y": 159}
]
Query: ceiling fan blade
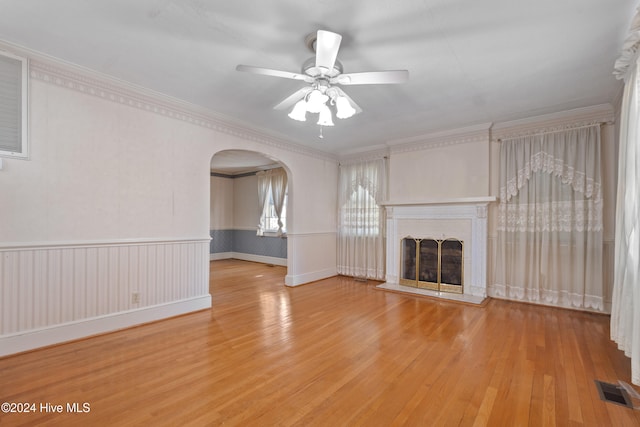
[
  {"x": 274, "y": 73},
  {"x": 327, "y": 45},
  {"x": 353, "y": 104},
  {"x": 292, "y": 99},
  {"x": 372, "y": 78}
]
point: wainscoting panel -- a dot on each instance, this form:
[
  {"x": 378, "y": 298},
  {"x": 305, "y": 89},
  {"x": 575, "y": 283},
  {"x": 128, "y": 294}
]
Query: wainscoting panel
[
  {"x": 319, "y": 261},
  {"x": 46, "y": 286},
  {"x": 221, "y": 241},
  {"x": 247, "y": 242}
]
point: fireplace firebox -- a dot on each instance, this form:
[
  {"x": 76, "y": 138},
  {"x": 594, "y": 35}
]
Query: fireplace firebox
[{"x": 434, "y": 264}]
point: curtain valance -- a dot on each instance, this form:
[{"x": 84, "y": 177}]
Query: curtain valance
[
  {"x": 368, "y": 175},
  {"x": 572, "y": 155}
]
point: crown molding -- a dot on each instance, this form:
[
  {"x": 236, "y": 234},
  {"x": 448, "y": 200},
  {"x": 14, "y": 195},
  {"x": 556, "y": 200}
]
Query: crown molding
[
  {"x": 364, "y": 155},
  {"x": 477, "y": 133},
  {"x": 602, "y": 113},
  {"x": 162, "y": 105},
  {"x": 71, "y": 76}
]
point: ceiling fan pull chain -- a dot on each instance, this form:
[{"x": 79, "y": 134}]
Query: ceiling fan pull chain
[{"x": 321, "y": 136}]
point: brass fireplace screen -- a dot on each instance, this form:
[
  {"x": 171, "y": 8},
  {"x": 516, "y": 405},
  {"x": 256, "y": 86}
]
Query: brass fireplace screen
[{"x": 432, "y": 264}]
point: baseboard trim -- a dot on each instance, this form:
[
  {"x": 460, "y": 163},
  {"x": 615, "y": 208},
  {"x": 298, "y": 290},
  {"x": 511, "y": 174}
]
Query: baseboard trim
[
  {"x": 301, "y": 279},
  {"x": 249, "y": 257},
  {"x": 56, "y": 334},
  {"x": 220, "y": 255}
]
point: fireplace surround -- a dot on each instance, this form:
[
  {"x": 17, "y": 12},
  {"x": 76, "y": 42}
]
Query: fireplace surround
[{"x": 460, "y": 219}]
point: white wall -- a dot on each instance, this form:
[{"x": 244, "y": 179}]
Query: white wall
[
  {"x": 432, "y": 171},
  {"x": 222, "y": 199},
  {"x": 245, "y": 203},
  {"x": 312, "y": 221},
  {"x": 116, "y": 194},
  {"x": 445, "y": 166}
]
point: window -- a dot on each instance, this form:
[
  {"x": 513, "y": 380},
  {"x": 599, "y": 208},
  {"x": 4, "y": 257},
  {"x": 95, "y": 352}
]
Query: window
[
  {"x": 272, "y": 201},
  {"x": 270, "y": 217},
  {"x": 361, "y": 219},
  {"x": 13, "y": 106},
  {"x": 360, "y": 215}
]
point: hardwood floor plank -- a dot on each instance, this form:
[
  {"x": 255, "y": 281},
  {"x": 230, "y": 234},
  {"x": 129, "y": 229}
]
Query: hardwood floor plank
[
  {"x": 549, "y": 406},
  {"x": 335, "y": 352},
  {"x": 482, "y": 419}
]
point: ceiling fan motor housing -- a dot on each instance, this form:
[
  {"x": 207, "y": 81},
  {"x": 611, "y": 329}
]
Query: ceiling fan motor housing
[{"x": 309, "y": 68}]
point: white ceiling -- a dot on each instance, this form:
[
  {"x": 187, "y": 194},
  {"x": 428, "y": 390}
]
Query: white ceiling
[{"x": 470, "y": 61}]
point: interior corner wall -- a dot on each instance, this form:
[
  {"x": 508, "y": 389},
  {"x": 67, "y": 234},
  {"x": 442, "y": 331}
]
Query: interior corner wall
[{"x": 106, "y": 225}]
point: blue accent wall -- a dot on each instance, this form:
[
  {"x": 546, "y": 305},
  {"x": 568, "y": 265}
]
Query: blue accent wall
[
  {"x": 221, "y": 241},
  {"x": 247, "y": 242}
]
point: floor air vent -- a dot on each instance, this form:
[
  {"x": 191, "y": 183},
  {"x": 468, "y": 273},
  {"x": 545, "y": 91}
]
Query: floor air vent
[{"x": 613, "y": 393}]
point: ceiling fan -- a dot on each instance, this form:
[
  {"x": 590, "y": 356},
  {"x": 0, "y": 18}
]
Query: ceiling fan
[{"x": 324, "y": 74}]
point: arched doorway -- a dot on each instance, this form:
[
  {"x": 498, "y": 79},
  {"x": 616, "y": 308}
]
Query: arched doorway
[{"x": 235, "y": 209}]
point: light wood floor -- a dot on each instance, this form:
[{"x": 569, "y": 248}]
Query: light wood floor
[{"x": 336, "y": 352}]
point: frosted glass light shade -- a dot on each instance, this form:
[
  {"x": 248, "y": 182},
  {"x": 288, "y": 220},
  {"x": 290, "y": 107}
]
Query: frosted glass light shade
[
  {"x": 324, "y": 119},
  {"x": 344, "y": 108},
  {"x": 299, "y": 111}
]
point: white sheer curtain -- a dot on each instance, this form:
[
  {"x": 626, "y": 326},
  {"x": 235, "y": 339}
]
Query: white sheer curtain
[
  {"x": 278, "y": 192},
  {"x": 550, "y": 219},
  {"x": 361, "y": 232},
  {"x": 625, "y": 310},
  {"x": 264, "y": 186},
  {"x": 272, "y": 188}
]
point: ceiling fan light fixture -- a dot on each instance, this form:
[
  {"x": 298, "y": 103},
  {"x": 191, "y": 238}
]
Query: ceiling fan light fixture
[
  {"x": 323, "y": 74},
  {"x": 344, "y": 109},
  {"x": 299, "y": 111},
  {"x": 324, "y": 118},
  {"x": 316, "y": 101}
]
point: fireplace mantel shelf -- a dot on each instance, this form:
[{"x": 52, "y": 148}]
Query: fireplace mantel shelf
[{"x": 451, "y": 201}]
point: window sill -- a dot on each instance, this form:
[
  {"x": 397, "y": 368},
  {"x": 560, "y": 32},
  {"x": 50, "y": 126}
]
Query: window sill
[{"x": 273, "y": 234}]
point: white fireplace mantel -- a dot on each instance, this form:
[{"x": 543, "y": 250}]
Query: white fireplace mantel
[
  {"x": 448, "y": 201},
  {"x": 461, "y": 218}
]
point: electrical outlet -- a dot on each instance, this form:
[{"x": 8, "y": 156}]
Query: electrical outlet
[{"x": 135, "y": 298}]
